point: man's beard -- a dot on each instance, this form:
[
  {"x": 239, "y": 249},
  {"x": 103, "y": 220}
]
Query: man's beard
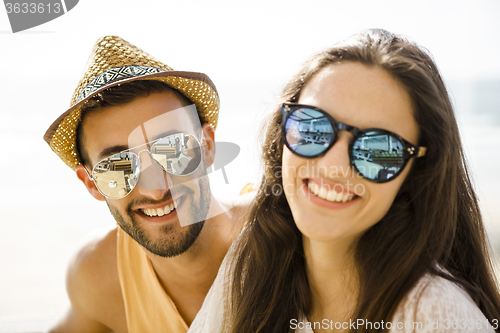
[{"x": 169, "y": 244}]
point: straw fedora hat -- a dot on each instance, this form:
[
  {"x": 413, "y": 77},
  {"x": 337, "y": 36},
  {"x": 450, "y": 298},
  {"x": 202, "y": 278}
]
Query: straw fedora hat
[{"x": 114, "y": 61}]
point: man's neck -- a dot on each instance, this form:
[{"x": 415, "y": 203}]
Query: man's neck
[{"x": 188, "y": 277}]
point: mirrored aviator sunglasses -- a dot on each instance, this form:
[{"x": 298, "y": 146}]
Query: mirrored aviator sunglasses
[
  {"x": 376, "y": 154},
  {"x": 117, "y": 175}
]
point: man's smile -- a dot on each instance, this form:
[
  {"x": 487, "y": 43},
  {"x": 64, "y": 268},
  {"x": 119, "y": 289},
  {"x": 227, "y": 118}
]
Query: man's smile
[{"x": 160, "y": 211}]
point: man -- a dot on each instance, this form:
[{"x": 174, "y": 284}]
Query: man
[{"x": 152, "y": 272}]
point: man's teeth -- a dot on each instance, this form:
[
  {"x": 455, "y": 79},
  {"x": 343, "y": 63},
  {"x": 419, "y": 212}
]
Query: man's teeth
[
  {"x": 161, "y": 211},
  {"x": 329, "y": 195}
]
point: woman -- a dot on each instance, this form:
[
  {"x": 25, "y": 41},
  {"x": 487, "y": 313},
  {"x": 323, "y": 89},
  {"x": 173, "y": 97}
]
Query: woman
[{"x": 372, "y": 218}]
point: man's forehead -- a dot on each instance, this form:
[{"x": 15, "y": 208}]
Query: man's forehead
[
  {"x": 144, "y": 118},
  {"x": 171, "y": 122}
]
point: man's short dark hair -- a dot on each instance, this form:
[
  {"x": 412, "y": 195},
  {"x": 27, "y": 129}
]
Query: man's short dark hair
[{"x": 119, "y": 95}]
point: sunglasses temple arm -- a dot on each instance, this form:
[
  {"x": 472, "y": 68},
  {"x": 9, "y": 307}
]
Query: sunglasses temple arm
[
  {"x": 421, "y": 151},
  {"x": 87, "y": 173}
]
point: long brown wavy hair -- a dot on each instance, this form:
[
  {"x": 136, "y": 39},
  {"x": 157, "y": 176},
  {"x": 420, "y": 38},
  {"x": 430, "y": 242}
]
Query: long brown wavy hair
[{"x": 435, "y": 217}]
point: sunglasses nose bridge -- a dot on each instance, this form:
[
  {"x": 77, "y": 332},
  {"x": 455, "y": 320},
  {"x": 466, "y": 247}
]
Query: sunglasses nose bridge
[
  {"x": 145, "y": 160},
  {"x": 352, "y": 137},
  {"x": 153, "y": 180},
  {"x": 337, "y": 159},
  {"x": 344, "y": 127}
]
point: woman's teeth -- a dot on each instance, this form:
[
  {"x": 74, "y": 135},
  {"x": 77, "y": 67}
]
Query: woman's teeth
[
  {"x": 161, "y": 211},
  {"x": 329, "y": 195}
]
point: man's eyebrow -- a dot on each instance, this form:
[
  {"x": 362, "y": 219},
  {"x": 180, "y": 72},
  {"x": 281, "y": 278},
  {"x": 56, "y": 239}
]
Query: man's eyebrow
[
  {"x": 118, "y": 148},
  {"x": 164, "y": 134},
  {"x": 111, "y": 151}
]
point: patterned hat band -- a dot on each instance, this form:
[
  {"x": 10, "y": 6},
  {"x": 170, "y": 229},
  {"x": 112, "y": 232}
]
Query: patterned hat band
[{"x": 113, "y": 75}]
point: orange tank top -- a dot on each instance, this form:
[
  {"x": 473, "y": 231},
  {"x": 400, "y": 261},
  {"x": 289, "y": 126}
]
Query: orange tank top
[{"x": 147, "y": 306}]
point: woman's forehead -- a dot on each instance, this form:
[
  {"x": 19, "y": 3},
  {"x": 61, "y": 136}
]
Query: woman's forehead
[{"x": 362, "y": 96}]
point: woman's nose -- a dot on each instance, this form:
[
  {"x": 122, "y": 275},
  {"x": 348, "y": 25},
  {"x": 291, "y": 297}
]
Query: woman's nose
[{"x": 336, "y": 162}]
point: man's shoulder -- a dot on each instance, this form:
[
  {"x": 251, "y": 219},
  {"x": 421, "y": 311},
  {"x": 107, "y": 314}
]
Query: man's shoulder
[
  {"x": 96, "y": 258},
  {"x": 92, "y": 278}
]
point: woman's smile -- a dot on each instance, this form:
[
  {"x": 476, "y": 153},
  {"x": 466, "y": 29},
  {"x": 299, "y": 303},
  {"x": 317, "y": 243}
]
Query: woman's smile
[{"x": 330, "y": 195}]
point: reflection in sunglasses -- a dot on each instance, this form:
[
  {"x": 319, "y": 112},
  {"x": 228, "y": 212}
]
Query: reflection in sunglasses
[
  {"x": 377, "y": 154},
  {"x": 117, "y": 175}
]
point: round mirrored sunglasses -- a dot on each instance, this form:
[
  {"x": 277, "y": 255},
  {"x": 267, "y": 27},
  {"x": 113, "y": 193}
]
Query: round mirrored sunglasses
[{"x": 376, "y": 154}]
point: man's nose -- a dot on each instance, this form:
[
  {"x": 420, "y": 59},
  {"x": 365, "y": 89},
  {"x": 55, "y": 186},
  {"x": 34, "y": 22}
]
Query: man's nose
[{"x": 153, "y": 180}]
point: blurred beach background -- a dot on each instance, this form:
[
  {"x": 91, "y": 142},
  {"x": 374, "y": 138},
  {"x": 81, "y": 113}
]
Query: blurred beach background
[{"x": 249, "y": 49}]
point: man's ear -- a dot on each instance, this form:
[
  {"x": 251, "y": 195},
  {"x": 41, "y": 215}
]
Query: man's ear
[
  {"x": 209, "y": 144},
  {"x": 89, "y": 184}
]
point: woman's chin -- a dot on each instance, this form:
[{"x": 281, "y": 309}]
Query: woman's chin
[{"x": 320, "y": 229}]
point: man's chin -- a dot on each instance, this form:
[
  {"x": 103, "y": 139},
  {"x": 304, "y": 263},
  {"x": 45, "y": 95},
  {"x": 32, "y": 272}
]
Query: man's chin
[
  {"x": 168, "y": 235},
  {"x": 166, "y": 240},
  {"x": 163, "y": 235}
]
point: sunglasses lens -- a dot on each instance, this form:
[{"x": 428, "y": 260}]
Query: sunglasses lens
[
  {"x": 308, "y": 132},
  {"x": 178, "y": 154},
  {"x": 116, "y": 175},
  {"x": 378, "y": 156}
]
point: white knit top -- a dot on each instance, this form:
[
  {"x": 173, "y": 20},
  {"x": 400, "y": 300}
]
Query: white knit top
[{"x": 434, "y": 305}]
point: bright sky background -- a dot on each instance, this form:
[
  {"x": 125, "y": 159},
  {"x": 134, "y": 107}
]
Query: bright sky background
[{"x": 249, "y": 49}]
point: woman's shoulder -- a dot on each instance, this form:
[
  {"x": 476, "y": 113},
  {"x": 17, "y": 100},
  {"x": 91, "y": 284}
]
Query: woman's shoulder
[{"x": 436, "y": 304}]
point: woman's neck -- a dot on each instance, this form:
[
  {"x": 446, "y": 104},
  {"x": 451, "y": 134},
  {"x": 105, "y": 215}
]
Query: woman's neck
[{"x": 333, "y": 280}]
